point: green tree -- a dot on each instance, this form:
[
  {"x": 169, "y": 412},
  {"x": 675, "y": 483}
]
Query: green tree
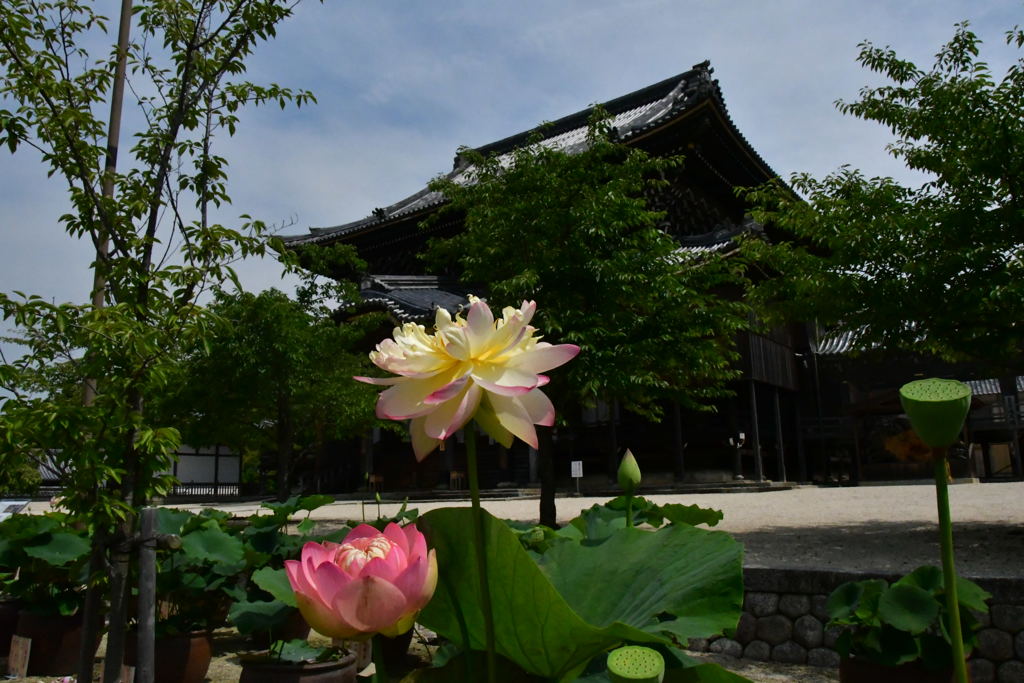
[
  {"x": 274, "y": 376},
  {"x": 934, "y": 268},
  {"x": 157, "y": 247},
  {"x": 574, "y": 231}
]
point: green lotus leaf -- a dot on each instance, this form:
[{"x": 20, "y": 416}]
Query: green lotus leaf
[
  {"x": 581, "y": 601},
  {"x": 275, "y": 582},
  {"x": 908, "y": 608},
  {"x": 60, "y": 549}
]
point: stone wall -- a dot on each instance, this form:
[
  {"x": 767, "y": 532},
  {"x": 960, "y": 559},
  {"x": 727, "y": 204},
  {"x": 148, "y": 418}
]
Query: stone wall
[{"x": 784, "y": 620}]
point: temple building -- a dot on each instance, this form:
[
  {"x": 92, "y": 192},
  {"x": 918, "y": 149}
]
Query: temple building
[{"x": 789, "y": 418}]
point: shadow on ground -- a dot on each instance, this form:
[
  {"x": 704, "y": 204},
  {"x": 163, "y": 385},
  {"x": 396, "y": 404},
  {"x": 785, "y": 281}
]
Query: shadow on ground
[{"x": 982, "y": 549}]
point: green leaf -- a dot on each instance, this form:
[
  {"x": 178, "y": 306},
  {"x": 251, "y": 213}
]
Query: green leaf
[
  {"x": 471, "y": 666},
  {"x": 908, "y": 608},
  {"x": 314, "y": 501},
  {"x": 971, "y": 595},
  {"x": 867, "y": 609},
  {"x": 61, "y": 548},
  {"x": 171, "y": 521},
  {"x": 927, "y": 578},
  {"x": 210, "y": 544},
  {"x": 297, "y": 651},
  {"x": 678, "y": 513},
  {"x": 637, "y": 576},
  {"x": 275, "y": 582},
  {"x": 534, "y": 625},
  {"x": 843, "y": 601},
  {"x": 249, "y": 617},
  {"x": 306, "y": 526}
]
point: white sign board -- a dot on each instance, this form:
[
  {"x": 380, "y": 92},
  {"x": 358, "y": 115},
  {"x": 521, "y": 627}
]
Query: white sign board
[{"x": 577, "y": 469}]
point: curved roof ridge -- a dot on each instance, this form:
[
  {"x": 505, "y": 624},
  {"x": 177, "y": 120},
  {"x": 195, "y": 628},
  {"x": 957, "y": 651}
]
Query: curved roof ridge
[{"x": 632, "y": 114}]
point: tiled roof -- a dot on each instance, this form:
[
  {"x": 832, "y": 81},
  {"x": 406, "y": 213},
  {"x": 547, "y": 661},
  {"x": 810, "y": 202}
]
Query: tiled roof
[
  {"x": 632, "y": 115},
  {"x": 990, "y": 387},
  {"x": 411, "y": 298}
]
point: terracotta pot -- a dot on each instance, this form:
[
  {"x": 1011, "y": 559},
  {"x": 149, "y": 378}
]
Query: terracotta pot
[
  {"x": 268, "y": 671},
  {"x": 858, "y": 670},
  {"x": 177, "y": 659},
  {"x": 8, "y": 622},
  {"x": 55, "y": 642},
  {"x": 294, "y": 626},
  {"x": 362, "y": 649}
]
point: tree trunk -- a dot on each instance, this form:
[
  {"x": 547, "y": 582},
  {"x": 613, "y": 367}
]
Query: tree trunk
[
  {"x": 546, "y": 453},
  {"x": 284, "y": 445}
]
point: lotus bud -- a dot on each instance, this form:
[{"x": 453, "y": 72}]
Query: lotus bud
[
  {"x": 937, "y": 409},
  {"x": 629, "y": 473},
  {"x": 636, "y": 664}
]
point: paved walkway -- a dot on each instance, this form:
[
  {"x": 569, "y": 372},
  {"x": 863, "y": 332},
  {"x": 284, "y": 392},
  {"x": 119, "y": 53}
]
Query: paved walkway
[{"x": 864, "y": 528}]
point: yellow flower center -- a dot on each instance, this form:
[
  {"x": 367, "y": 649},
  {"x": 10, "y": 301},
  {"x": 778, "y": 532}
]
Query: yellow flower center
[{"x": 361, "y": 551}]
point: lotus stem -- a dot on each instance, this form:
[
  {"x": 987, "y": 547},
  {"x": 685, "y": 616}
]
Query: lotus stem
[
  {"x": 481, "y": 554},
  {"x": 380, "y": 671},
  {"x": 948, "y": 565},
  {"x": 629, "y": 510}
]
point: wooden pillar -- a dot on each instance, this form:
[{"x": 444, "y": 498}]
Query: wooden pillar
[
  {"x": 735, "y": 441},
  {"x": 755, "y": 433},
  {"x": 781, "y": 450},
  {"x": 801, "y": 450},
  {"x": 216, "y": 470},
  {"x": 612, "y": 445}
]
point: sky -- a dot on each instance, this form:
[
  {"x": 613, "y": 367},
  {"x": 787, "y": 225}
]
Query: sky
[{"x": 401, "y": 84}]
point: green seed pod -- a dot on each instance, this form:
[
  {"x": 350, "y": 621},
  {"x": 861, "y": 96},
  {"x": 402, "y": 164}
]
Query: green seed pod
[
  {"x": 629, "y": 473},
  {"x": 636, "y": 664},
  {"x": 936, "y": 408}
]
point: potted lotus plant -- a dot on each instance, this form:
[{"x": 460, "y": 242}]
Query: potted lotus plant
[
  {"x": 259, "y": 610},
  {"x": 296, "y": 661},
  {"x": 195, "y": 583},
  {"x": 902, "y": 632},
  {"x": 43, "y": 567},
  {"x": 937, "y": 409}
]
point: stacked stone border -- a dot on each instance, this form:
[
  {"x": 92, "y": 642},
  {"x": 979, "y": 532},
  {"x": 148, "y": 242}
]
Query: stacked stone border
[{"x": 784, "y": 620}]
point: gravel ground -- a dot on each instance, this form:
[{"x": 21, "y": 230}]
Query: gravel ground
[{"x": 849, "y": 528}]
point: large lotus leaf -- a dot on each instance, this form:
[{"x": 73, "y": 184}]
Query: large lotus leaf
[
  {"x": 679, "y": 668},
  {"x": 258, "y": 615},
  {"x": 275, "y": 582},
  {"x": 171, "y": 521},
  {"x": 534, "y": 626},
  {"x": 314, "y": 501},
  {"x": 60, "y": 549},
  {"x": 637, "y": 575},
  {"x": 470, "y": 666},
  {"x": 210, "y": 544},
  {"x": 701, "y": 673},
  {"x": 908, "y": 608}
]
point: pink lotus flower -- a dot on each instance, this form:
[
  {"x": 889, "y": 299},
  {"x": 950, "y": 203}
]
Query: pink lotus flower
[
  {"x": 372, "y": 582},
  {"x": 473, "y": 367}
]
